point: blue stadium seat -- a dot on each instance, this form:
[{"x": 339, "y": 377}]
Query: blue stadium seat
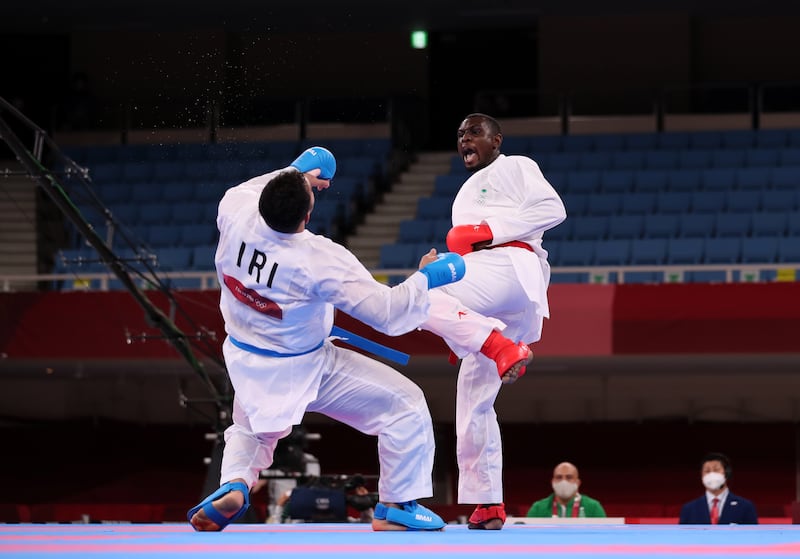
[
  {"x": 447, "y": 185},
  {"x": 616, "y": 181},
  {"x": 203, "y": 257},
  {"x": 684, "y": 251},
  {"x": 648, "y": 251},
  {"x": 127, "y": 214},
  {"x": 608, "y": 142},
  {"x": 200, "y": 170},
  {"x": 771, "y": 138},
  {"x": 641, "y": 141},
  {"x": 673, "y": 140},
  {"x": 789, "y": 157},
  {"x": 146, "y": 193},
  {"x": 785, "y": 178},
  {"x": 705, "y": 139},
  {"x": 683, "y": 180},
  {"x": 673, "y": 202},
  {"x": 694, "y": 159},
  {"x": 590, "y": 227},
  {"x": 163, "y": 235},
  {"x": 211, "y": 192},
  {"x": 650, "y": 180},
  {"x": 433, "y": 207},
  {"x": 577, "y": 253},
  {"x": 561, "y": 232},
  {"x": 188, "y": 212},
  {"x": 639, "y": 203},
  {"x": 577, "y": 143},
  {"x": 594, "y": 160},
  {"x": 722, "y": 251},
  {"x": 440, "y": 229},
  {"x": 400, "y": 255},
  {"x": 769, "y": 224},
  {"x": 604, "y": 204},
  {"x": 193, "y": 234},
  {"x": 114, "y": 192},
  {"x": 755, "y": 178},
  {"x": 558, "y": 180},
  {"x": 788, "y": 250},
  {"x": 696, "y": 225},
  {"x": 779, "y": 200},
  {"x": 760, "y": 250},
  {"x": 661, "y": 226},
  {"x": 627, "y": 160},
  {"x": 359, "y": 167},
  {"x": 708, "y": 202},
  {"x": 661, "y": 159},
  {"x": 169, "y": 171},
  {"x": 582, "y": 182},
  {"x": 743, "y": 201},
  {"x": 613, "y": 252},
  {"x": 729, "y": 224},
  {"x": 561, "y": 161},
  {"x": 737, "y": 138},
  {"x": 415, "y": 230},
  {"x": 544, "y": 144},
  {"x": 718, "y": 179},
  {"x": 761, "y": 157},
  {"x": 178, "y": 192},
  {"x": 137, "y": 171},
  {"x": 793, "y": 224},
  {"x": 576, "y": 204},
  {"x": 102, "y": 173},
  {"x": 515, "y": 145},
  {"x": 156, "y": 212},
  {"x": 174, "y": 259}
]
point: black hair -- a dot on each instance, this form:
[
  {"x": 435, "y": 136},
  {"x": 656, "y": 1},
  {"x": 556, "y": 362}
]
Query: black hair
[
  {"x": 494, "y": 126},
  {"x": 722, "y": 459},
  {"x": 285, "y": 201}
]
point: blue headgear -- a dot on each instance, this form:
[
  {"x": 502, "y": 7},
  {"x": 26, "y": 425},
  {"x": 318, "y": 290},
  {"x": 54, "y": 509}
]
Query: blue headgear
[{"x": 316, "y": 158}]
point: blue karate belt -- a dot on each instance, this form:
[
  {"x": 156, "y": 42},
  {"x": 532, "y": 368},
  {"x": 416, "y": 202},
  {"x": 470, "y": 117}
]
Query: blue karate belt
[{"x": 348, "y": 337}]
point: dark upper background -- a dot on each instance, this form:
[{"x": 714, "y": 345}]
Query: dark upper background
[{"x": 170, "y": 59}]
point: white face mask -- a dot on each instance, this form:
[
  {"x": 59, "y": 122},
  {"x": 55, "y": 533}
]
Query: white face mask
[
  {"x": 565, "y": 489},
  {"x": 713, "y": 480}
]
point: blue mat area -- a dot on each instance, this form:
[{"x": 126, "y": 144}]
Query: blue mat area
[{"x": 306, "y": 541}]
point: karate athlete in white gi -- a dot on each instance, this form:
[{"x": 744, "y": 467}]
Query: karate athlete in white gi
[
  {"x": 280, "y": 284},
  {"x": 499, "y": 215}
]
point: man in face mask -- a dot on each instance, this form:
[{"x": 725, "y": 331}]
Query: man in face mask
[
  {"x": 566, "y": 501},
  {"x": 718, "y": 505}
]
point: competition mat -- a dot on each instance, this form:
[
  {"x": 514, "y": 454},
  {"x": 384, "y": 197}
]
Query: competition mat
[{"x": 299, "y": 541}]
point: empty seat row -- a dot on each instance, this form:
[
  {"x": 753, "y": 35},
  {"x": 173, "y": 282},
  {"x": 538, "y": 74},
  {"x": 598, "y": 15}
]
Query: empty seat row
[
  {"x": 678, "y": 180},
  {"x": 174, "y": 259},
  {"x": 230, "y": 171},
  {"x": 741, "y": 139},
  {"x": 657, "y": 252},
  {"x": 725, "y": 224},
  {"x": 281, "y": 151},
  {"x": 669, "y": 203}
]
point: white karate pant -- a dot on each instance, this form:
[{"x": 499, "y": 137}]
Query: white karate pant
[
  {"x": 345, "y": 385},
  {"x": 492, "y": 288}
]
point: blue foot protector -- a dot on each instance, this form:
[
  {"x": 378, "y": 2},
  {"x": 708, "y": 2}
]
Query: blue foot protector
[
  {"x": 212, "y": 513},
  {"x": 413, "y": 516}
]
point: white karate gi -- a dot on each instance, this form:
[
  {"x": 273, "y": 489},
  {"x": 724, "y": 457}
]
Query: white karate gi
[
  {"x": 278, "y": 293},
  {"x": 509, "y": 283}
]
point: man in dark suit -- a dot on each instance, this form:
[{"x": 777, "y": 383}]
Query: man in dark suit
[{"x": 718, "y": 505}]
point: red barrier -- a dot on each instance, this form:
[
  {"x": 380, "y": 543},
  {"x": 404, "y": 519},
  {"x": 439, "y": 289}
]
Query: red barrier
[{"x": 587, "y": 320}]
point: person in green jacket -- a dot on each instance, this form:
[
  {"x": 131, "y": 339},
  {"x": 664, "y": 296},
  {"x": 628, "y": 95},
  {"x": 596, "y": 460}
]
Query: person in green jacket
[{"x": 566, "y": 501}]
